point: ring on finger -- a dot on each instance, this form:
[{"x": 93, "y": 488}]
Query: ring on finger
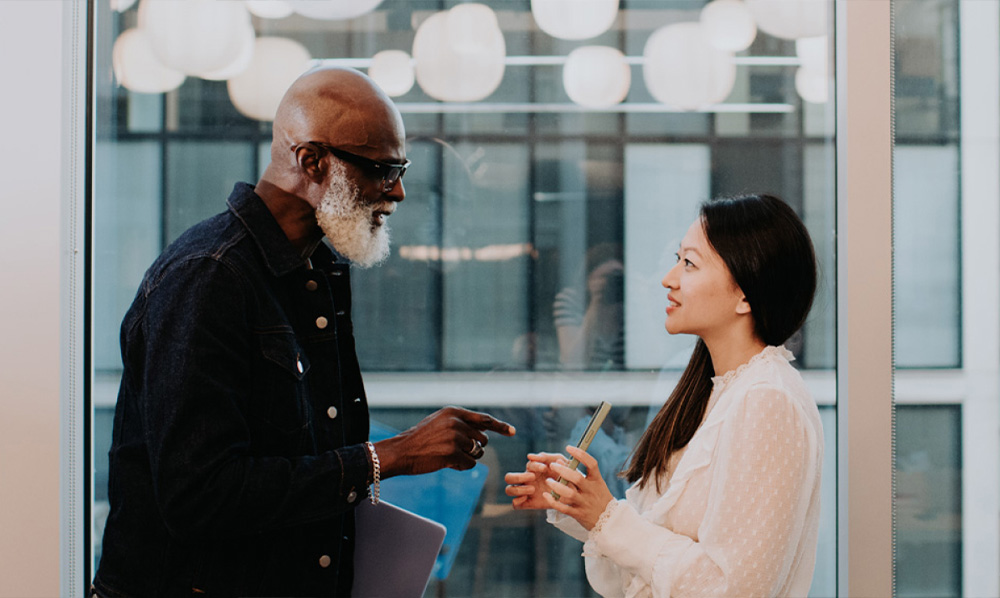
[{"x": 477, "y": 449}]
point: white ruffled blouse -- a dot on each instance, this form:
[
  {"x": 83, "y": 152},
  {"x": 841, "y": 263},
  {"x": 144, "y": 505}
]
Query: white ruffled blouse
[{"x": 739, "y": 514}]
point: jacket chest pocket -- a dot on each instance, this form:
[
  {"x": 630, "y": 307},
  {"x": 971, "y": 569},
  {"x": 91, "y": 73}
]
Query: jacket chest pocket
[{"x": 281, "y": 389}]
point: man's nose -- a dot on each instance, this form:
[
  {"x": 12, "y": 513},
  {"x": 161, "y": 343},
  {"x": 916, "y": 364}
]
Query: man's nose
[{"x": 398, "y": 193}]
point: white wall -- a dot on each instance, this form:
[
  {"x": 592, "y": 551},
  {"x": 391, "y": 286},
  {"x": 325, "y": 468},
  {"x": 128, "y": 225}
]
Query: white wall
[{"x": 30, "y": 180}]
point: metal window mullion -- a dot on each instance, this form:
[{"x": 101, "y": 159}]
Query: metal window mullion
[{"x": 979, "y": 27}]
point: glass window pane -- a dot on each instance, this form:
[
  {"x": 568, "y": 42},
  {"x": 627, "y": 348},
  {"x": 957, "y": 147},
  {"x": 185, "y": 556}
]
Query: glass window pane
[{"x": 527, "y": 258}]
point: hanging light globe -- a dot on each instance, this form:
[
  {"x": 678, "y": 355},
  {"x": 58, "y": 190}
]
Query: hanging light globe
[
  {"x": 136, "y": 67},
  {"x": 241, "y": 63},
  {"x": 596, "y": 76},
  {"x": 728, "y": 25},
  {"x": 683, "y": 70},
  {"x": 468, "y": 24},
  {"x": 791, "y": 19},
  {"x": 463, "y": 74},
  {"x": 333, "y": 10},
  {"x": 574, "y": 19},
  {"x": 269, "y": 9},
  {"x": 813, "y": 52},
  {"x": 812, "y": 86},
  {"x": 392, "y": 70},
  {"x": 276, "y": 63},
  {"x": 195, "y": 36}
]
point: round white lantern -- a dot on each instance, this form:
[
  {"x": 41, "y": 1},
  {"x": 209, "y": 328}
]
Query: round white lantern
[
  {"x": 392, "y": 70},
  {"x": 277, "y": 62},
  {"x": 452, "y": 75},
  {"x": 728, "y": 25},
  {"x": 242, "y": 61},
  {"x": 812, "y": 85},
  {"x": 596, "y": 76},
  {"x": 137, "y": 68},
  {"x": 121, "y": 5},
  {"x": 791, "y": 19},
  {"x": 574, "y": 19},
  {"x": 195, "y": 36},
  {"x": 813, "y": 51},
  {"x": 269, "y": 9},
  {"x": 332, "y": 10},
  {"x": 468, "y": 24},
  {"x": 683, "y": 70}
]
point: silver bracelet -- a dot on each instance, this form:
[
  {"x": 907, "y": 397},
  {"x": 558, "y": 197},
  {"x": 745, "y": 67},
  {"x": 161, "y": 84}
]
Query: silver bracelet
[{"x": 376, "y": 474}]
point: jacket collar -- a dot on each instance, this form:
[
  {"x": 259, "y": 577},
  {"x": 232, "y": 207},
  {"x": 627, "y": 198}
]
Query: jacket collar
[{"x": 278, "y": 252}]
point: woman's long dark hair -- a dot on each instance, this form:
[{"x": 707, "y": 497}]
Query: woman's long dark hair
[{"x": 770, "y": 256}]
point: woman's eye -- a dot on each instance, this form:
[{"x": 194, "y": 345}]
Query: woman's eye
[
  {"x": 677, "y": 257},
  {"x": 688, "y": 263}
]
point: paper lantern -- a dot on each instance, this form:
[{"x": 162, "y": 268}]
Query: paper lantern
[
  {"x": 269, "y": 9},
  {"x": 276, "y": 63},
  {"x": 333, "y": 10},
  {"x": 121, "y": 5},
  {"x": 813, "y": 51},
  {"x": 574, "y": 19},
  {"x": 468, "y": 24},
  {"x": 683, "y": 70},
  {"x": 812, "y": 85},
  {"x": 596, "y": 76},
  {"x": 392, "y": 70},
  {"x": 242, "y": 61},
  {"x": 137, "y": 68},
  {"x": 452, "y": 75},
  {"x": 791, "y": 19},
  {"x": 195, "y": 36},
  {"x": 728, "y": 25}
]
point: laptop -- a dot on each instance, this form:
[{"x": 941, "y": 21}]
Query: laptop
[{"x": 394, "y": 551}]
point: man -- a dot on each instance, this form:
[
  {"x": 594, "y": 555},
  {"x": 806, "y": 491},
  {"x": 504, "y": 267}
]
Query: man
[{"x": 239, "y": 447}]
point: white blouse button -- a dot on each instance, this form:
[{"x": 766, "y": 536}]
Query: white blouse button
[
  {"x": 324, "y": 561},
  {"x": 321, "y": 322},
  {"x": 311, "y": 285},
  {"x": 352, "y": 496},
  {"x": 332, "y": 413}
]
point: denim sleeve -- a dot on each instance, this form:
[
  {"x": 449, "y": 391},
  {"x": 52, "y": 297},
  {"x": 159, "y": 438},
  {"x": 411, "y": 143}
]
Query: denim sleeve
[{"x": 195, "y": 364}]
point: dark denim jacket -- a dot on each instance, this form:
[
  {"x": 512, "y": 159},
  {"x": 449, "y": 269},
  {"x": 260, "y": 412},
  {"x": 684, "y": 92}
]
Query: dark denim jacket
[{"x": 236, "y": 457}]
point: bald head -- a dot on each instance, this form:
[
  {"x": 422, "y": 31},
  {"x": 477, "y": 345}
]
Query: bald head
[{"x": 338, "y": 106}]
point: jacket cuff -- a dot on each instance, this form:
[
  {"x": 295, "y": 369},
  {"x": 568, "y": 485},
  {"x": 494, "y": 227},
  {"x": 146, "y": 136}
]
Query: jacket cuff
[{"x": 355, "y": 471}]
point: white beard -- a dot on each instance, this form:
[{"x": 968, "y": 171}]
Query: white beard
[{"x": 349, "y": 222}]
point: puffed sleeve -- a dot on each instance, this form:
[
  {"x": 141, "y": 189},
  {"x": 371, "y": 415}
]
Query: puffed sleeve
[{"x": 764, "y": 480}]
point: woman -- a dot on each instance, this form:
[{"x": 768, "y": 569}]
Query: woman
[{"x": 726, "y": 479}]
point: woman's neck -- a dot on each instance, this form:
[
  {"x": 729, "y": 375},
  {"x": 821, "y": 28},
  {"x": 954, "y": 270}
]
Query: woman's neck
[{"x": 730, "y": 353}]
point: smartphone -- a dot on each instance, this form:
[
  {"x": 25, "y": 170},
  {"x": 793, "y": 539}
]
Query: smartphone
[{"x": 588, "y": 435}]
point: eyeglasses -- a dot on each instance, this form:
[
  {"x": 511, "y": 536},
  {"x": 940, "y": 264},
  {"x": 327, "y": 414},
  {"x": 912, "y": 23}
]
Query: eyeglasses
[{"x": 389, "y": 174}]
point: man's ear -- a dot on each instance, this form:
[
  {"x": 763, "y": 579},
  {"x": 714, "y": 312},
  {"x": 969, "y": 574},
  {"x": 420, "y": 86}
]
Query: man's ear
[
  {"x": 308, "y": 157},
  {"x": 743, "y": 307}
]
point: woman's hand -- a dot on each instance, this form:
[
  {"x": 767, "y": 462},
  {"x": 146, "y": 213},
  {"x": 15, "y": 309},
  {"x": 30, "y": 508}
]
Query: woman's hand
[
  {"x": 585, "y": 497},
  {"x": 528, "y": 487}
]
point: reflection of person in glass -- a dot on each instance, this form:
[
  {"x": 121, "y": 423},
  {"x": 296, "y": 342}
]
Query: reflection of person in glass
[
  {"x": 726, "y": 479},
  {"x": 240, "y": 443},
  {"x": 590, "y": 329}
]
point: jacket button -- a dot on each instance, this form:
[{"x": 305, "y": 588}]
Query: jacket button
[
  {"x": 311, "y": 285},
  {"x": 352, "y": 496},
  {"x": 298, "y": 365},
  {"x": 321, "y": 322},
  {"x": 324, "y": 561},
  {"x": 331, "y": 413}
]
